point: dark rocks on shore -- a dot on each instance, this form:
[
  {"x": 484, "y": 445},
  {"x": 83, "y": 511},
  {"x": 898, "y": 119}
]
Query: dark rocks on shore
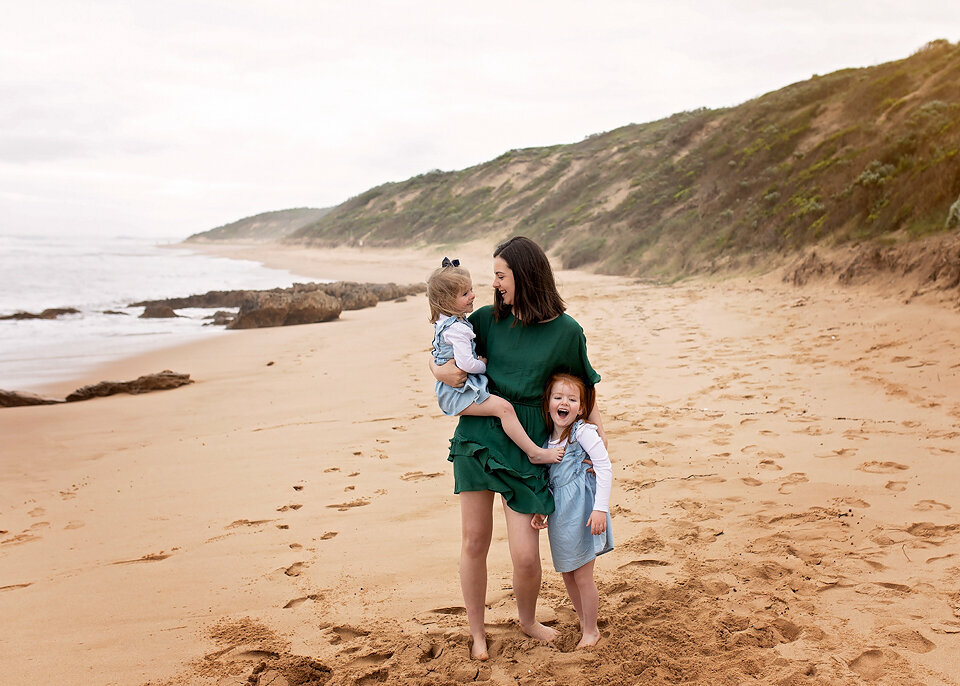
[
  {"x": 161, "y": 381},
  {"x": 158, "y": 312},
  {"x": 23, "y": 399},
  {"x": 220, "y": 318},
  {"x": 267, "y": 309},
  {"x": 302, "y": 303},
  {"x": 49, "y": 313}
]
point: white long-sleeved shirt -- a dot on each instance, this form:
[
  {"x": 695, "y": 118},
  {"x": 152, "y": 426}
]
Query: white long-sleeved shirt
[
  {"x": 459, "y": 335},
  {"x": 593, "y": 445}
]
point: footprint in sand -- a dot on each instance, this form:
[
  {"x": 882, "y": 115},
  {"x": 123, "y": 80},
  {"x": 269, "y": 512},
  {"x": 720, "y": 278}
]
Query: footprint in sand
[
  {"x": 419, "y": 476},
  {"x": 875, "y": 467},
  {"x": 295, "y": 506},
  {"x": 786, "y": 487},
  {"x": 12, "y": 587},
  {"x": 869, "y": 664},
  {"x": 925, "y": 505},
  {"x": 838, "y": 452},
  {"x": 898, "y": 486},
  {"x": 153, "y": 557},
  {"x": 644, "y": 563},
  {"x": 247, "y": 522},
  {"x": 770, "y": 464},
  {"x": 750, "y": 481},
  {"x": 296, "y": 602},
  {"x": 328, "y": 535},
  {"x": 911, "y": 639},
  {"x": 295, "y": 569},
  {"x": 851, "y": 502},
  {"x": 342, "y": 507},
  {"x": 37, "y": 512},
  {"x": 346, "y": 633}
]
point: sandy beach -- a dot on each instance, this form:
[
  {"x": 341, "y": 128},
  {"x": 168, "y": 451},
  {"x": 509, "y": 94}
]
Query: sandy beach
[{"x": 785, "y": 503}]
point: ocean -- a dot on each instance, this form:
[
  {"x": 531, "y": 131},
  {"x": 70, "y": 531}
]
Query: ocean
[{"x": 99, "y": 274}]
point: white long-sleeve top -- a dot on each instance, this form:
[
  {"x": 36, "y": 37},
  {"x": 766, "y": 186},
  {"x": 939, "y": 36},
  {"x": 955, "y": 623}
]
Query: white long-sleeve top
[
  {"x": 460, "y": 335},
  {"x": 593, "y": 445}
]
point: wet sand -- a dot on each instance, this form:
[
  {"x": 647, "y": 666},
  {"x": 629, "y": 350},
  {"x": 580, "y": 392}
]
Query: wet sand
[{"x": 785, "y": 499}]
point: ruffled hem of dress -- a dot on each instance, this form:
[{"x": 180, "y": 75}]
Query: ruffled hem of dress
[
  {"x": 466, "y": 448},
  {"x": 536, "y": 483}
]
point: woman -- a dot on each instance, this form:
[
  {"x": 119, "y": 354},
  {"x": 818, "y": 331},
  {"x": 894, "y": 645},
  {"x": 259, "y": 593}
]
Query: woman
[{"x": 527, "y": 338}]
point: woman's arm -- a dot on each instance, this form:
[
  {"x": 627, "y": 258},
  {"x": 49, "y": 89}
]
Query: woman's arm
[
  {"x": 594, "y": 418},
  {"x": 448, "y": 373}
]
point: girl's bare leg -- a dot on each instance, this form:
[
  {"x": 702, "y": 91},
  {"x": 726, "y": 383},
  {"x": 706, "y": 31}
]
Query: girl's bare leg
[
  {"x": 495, "y": 406},
  {"x": 589, "y": 604},
  {"x": 569, "y": 580},
  {"x": 476, "y": 532},
  {"x": 525, "y": 554}
]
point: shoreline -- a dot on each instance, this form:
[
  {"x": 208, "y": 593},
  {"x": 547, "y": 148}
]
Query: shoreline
[{"x": 784, "y": 498}]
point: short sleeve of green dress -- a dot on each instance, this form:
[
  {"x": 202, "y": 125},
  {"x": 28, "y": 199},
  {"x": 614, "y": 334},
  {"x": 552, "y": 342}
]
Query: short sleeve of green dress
[{"x": 521, "y": 358}]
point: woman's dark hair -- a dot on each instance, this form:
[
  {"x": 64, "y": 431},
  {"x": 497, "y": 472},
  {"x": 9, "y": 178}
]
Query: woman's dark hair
[{"x": 535, "y": 297}]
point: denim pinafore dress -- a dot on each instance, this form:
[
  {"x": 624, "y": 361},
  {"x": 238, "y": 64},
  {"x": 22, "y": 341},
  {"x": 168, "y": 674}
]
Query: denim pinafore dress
[
  {"x": 452, "y": 400},
  {"x": 574, "y": 493}
]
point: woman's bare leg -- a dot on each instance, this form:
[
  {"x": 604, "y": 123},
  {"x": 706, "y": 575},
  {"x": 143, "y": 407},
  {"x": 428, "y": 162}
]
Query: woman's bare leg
[
  {"x": 589, "y": 604},
  {"x": 525, "y": 554},
  {"x": 476, "y": 532},
  {"x": 495, "y": 406}
]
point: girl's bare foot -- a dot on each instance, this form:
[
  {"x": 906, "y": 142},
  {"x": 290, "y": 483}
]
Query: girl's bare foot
[
  {"x": 478, "y": 651},
  {"x": 546, "y": 455},
  {"x": 540, "y": 632},
  {"x": 589, "y": 639}
]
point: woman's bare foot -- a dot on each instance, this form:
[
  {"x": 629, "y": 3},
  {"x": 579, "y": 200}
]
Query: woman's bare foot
[
  {"x": 540, "y": 632},
  {"x": 589, "y": 639},
  {"x": 546, "y": 455},
  {"x": 478, "y": 651}
]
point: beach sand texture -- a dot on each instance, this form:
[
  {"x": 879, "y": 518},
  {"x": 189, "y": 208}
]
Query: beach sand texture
[{"x": 785, "y": 501}]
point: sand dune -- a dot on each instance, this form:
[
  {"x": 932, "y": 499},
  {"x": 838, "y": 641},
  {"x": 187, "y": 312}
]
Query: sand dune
[{"x": 785, "y": 500}]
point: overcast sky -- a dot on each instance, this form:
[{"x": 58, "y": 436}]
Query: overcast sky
[{"x": 168, "y": 118}]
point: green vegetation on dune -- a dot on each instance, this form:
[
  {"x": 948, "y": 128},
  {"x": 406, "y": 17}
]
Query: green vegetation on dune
[
  {"x": 860, "y": 154},
  {"x": 268, "y": 226}
]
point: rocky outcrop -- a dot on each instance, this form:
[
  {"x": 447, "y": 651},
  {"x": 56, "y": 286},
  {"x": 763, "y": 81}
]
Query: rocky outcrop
[
  {"x": 161, "y": 381},
  {"x": 23, "y": 399},
  {"x": 158, "y": 312},
  {"x": 353, "y": 295},
  {"x": 301, "y": 303},
  {"x": 285, "y": 309},
  {"x": 49, "y": 313}
]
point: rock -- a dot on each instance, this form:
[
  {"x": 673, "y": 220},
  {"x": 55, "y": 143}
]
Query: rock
[
  {"x": 220, "y": 318},
  {"x": 285, "y": 308},
  {"x": 352, "y": 294},
  {"x": 160, "y": 381},
  {"x": 49, "y": 313},
  {"x": 158, "y": 312},
  {"x": 22, "y": 399}
]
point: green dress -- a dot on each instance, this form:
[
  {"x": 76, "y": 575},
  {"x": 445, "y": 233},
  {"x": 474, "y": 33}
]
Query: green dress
[{"x": 520, "y": 360}]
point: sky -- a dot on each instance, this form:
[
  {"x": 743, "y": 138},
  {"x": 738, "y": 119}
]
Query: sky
[{"x": 169, "y": 118}]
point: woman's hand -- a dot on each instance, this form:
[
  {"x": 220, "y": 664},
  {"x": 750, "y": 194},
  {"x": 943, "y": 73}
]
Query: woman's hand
[
  {"x": 539, "y": 521},
  {"x": 597, "y": 522},
  {"x": 448, "y": 373}
]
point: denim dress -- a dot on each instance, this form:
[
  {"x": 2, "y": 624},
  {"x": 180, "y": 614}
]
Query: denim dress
[
  {"x": 452, "y": 400},
  {"x": 574, "y": 493}
]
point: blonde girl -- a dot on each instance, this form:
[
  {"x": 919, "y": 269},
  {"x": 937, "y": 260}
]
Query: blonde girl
[{"x": 450, "y": 293}]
